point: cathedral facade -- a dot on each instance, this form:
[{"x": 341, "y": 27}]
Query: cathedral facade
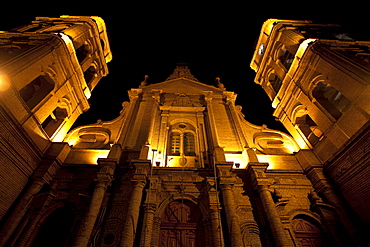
[{"x": 180, "y": 165}]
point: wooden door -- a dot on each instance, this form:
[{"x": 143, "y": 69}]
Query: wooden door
[
  {"x": 307, "y": 234},
  {"x": 182, "y": 226}
]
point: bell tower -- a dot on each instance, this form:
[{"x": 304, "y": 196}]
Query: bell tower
[
  {"x": 317, "y": 77},
  {"x": 48, "y": 70}
]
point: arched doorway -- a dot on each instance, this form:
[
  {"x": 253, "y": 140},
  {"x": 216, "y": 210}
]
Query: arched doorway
[
  {"x": 182, "y": 225},
  {"x": 56, "y": 229},
  {"x": 307, "y": 233}
]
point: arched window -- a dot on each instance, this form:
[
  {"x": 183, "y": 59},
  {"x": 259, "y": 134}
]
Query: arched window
[
  {"x": 182, "y": 144},
  {"x": 275, "y": 82},
  {"x": 83, "y": 52},
  {"x": 331, "y": 99},
  {"x": 57, "y": 117},
  {"x": 36, "y": 90},
  {"x": 285, "y": 57},
  {"x": 54, "y": 120},
  {"x": 90, "y": 74},
  {"x": 182, "y": 140},
  {"x": 309, "y": 128}
]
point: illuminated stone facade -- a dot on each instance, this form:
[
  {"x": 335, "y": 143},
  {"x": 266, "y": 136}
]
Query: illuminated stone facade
[{"x": 181, "y": 166}]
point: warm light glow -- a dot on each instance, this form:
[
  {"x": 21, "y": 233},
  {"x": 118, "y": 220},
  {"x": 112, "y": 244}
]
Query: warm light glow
[
  {"x": 96, "y": 154},
  {"x": 4, "y": 82},
  {"x": 237, "y": 159},
  {"x": 279, "y": 162},
  {"x": 72, "y": 140},
  {"x": 303, "y": 46},
  {"x": 66, "y": 40},
  {"x": 268, "y": 25}
]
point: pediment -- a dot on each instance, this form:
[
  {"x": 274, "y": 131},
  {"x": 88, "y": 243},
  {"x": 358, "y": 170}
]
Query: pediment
[{"x": 182, "y": 85}]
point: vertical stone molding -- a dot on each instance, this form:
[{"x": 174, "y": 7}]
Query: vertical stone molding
[
  {"x": 104, "y": 179},
  {"x": 216, "y": 226},
  {"x": 272, "y": 215},
  {"x": 47, "y": 169},
  {"x": 132, "y": 215},
  {"x": 323, "y": 185},
  {"x": 226, "y": 181},
  {"x": 261, "y": 183},
  {"x": 231, "y": 216},
  {"x": 19, "y": 210},
  {"x": 147, "y": 231}
]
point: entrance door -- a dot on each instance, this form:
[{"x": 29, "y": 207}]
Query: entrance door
[
  {"x": 307, "y": 234},
  {"x": 182, "y": 226}
]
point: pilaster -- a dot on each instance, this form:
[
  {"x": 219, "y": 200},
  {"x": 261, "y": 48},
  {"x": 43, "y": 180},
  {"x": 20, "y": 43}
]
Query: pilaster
[
  {"x": 261, "y": 183},
  {"x": 47, "y": 169},
  {"x": 103, "y": 180},
  {"x": 215, "y": 214},
  {"x": 322, "y": 185},
  {"x": 142, "y": 169},
  {"x": 226, "y": 181}
]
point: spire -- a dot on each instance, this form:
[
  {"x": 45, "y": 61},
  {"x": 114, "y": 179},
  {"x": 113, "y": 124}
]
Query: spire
[{"x": 181, "y": 71}]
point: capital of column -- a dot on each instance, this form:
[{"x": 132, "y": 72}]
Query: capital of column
[
  {"x": 226, "y": 187},
  {"x": 208, "y": 96},
  {"x": 139, "y": 183},
  {"x": 257, "y": 171},
  {"x": 134, "y": 93},
  {"x": 317, "y": 177},
  {"x": 230, "y": 97},
  {"x": 150, "y": 207},
  {"x": 105, "y": 175},
  {"x": 156, "y": 95}
]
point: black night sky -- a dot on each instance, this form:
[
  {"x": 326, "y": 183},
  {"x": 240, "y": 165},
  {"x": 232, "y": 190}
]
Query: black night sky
[{"x": 214, "y": 39}]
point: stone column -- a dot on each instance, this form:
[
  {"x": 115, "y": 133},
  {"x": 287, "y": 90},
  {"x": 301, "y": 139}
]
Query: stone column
[
  {"x": 231, "y": 217},
  {"x": 142, "y": 168},
  {"x": 261, "y": 183},
  {"x": 104, "y": 179},
  {"x": 322, "y": 185},
  {"x": 132, "y": 215},
  {"x": 147, "y": 231},
  {"x": 48, "y": 167},
  {"x": 216, "y": 227},
  {"x": 19, "y": 210},
  {"x": 272, "y": 215},
  {"x": 214, "y": 211}
]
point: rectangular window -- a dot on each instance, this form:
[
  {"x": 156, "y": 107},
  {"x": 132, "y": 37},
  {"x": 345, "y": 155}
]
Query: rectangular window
[
  {"x": 175, "y": 143},
  {"x": 189, "y": 147}
]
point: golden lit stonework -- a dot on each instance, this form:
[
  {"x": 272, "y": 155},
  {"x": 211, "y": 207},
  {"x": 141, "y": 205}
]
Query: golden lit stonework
[{"x": 181, "y": 165}]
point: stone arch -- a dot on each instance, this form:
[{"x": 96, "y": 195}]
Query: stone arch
[
  {"x": 251, "y": 233},
  {"x": 37, "y": 90},
  {"x": 283, "y": 56},
  {"x": 327, "y": 97},
  {"x": 306, "y": 125},
  {"x": 181, "y": 220},
  {"x": 91, "y": 73},
  {"x": 274, "y": 81},
  {"x": 178, "y": 196},
  {"x": 183, "y": 120},
  {"x": 307, "y": 230},
  {"x": 54, "y": 226},
  {"x": 57, "y": 117},
  {"x": 84, "y": 51},
  {"x": 182, "y": 145}
]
